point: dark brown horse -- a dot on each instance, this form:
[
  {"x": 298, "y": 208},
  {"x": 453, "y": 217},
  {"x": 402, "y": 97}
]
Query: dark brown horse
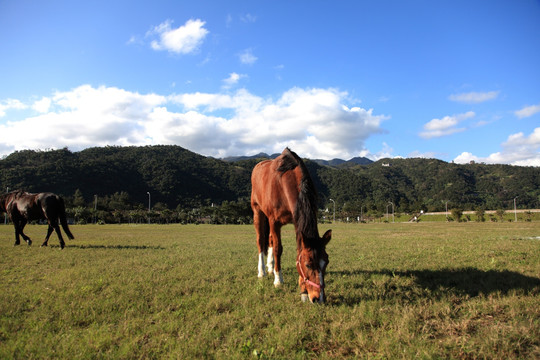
[
  {"x": 282, "y": 193},
  {"x": 22, "y": 207}
]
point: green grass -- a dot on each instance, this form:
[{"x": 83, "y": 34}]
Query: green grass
[{"x": 426, "y": 290}]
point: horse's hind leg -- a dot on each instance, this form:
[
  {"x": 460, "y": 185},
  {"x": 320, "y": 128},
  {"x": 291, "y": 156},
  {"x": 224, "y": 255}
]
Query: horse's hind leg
[
  {"x": 49, "y": 232},
  {"x": 261, "y": 228},
  {"x": 277, "y": 250},
  {"x": 54, "y": 224}
]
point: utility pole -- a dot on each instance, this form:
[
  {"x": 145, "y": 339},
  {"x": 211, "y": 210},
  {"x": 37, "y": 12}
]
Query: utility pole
[
  {"x": 5, "y": 215},
  {"x": 148, "y": 192},
  {"x": 334, "y": 220},
  {"x": 515, "y": 209}
]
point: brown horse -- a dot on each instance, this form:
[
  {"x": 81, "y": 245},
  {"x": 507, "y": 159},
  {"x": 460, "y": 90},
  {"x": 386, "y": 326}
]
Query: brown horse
[
  {"x": 22, "y": 207},
  {"x": 282, "y": 193}
]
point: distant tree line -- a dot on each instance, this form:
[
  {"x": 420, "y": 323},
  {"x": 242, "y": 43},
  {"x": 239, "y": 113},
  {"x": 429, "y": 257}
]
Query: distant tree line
[
  {"x": 111, "y": 185},
  {"x": 118, "y": 208},
  {"x": 429, "y": 185}
]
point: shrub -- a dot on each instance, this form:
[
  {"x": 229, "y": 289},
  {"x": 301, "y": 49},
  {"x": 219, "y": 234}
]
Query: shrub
[{"x": 456, "y": 214}]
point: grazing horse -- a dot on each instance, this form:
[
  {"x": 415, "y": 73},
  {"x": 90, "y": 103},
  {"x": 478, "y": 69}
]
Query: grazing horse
[
  {"x": 282, "y": 193},
  {"x": 23, "y": 207}
]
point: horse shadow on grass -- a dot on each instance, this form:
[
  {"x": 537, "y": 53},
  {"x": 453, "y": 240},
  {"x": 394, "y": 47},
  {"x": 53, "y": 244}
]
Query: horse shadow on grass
[
  {"x": 451, "y": 282},
  {"x": 114, "y": 247}
]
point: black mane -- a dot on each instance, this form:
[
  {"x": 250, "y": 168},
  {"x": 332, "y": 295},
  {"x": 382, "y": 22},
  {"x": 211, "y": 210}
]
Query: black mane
[{"x": 305, "y": 213}]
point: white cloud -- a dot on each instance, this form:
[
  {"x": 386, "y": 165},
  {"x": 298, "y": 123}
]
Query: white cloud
[
  {"x": 8, "y": 104},
  {"x": 384, "y": 153},
  {"x": 42, "y": 105},
  {"x": 445, "y": 126},
  {"x": 248, "y": 18},
  {"x": 527, "y": 111},
  {"x": 185, "y": 39},
  {"x": 423, "y": 155},
  {"x": 474, "y": 97},
  {"x": 135, "y": 40},
  {"x": 518, "y": 149},
  {"x": 316, "y": 123},
  {"x": 247, "y": 57},
  {"x": 233, "y": 79},
  {"x": 84, "y": 116}
]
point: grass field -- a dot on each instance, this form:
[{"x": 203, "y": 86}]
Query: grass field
[{"x": 426, "y": 290}]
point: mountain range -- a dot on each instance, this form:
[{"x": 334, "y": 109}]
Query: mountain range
[
  {"x": 334, "y": 162},
  {"x": 177, "y": 177}
]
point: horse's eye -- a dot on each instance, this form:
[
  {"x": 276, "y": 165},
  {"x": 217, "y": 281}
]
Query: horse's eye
[{"x": 308, "y": 266}]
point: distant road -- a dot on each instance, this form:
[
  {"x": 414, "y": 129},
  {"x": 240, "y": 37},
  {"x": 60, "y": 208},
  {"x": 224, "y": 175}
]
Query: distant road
[{"x": 487, "y": 212}]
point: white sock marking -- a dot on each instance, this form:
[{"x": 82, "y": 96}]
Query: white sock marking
[
  {"x": 270, "y": 261},
  {"x": 262, "y": 272},
  {"x": 278, "y": 278}
]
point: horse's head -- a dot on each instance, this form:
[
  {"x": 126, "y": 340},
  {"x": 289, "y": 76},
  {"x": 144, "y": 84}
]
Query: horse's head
[
  {"x": 311, "y": 264},
  {"x": 4, "y": 200}
]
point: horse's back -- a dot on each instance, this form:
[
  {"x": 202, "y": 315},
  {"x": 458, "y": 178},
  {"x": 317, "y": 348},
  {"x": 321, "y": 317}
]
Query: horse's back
[
  {"x": 270, "y": 193},
  {"x": 47, "y": 197},
  {"x": 260, "y": 174},
  {"x": 26, "y": 205},
  {"x": 51, "y": 204},
  {"x": 260, "y": 182}
]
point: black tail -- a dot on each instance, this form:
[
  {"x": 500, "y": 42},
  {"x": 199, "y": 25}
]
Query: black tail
[{"x": 63, "y": 219}]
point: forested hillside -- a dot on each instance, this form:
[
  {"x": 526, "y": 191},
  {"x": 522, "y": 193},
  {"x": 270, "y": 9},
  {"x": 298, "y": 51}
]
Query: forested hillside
[
  {"x": 171, "y": 174},
  {"x": 431, "y": 185},
  {"x": 176, "y": 178}
]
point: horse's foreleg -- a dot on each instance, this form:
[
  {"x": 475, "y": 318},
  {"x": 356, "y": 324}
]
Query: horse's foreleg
[
  {"x": 19, "y": 226},
  {"x": 277, "y": 250},
  {"x": 17, "y": 237},
  {"x": 260, "y": 267}
]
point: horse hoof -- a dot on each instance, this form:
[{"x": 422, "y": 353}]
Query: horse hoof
[
  {"x": 304, "y": 297},
  {"x": 29, "y": 242}
]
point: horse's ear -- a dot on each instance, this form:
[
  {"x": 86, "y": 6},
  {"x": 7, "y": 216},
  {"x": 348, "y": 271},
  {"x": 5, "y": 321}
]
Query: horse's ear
[{"x": 326, "y": 237}]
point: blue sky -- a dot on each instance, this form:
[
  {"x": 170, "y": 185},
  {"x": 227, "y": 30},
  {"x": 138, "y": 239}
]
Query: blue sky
[{"x": 453, "y": 80}]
